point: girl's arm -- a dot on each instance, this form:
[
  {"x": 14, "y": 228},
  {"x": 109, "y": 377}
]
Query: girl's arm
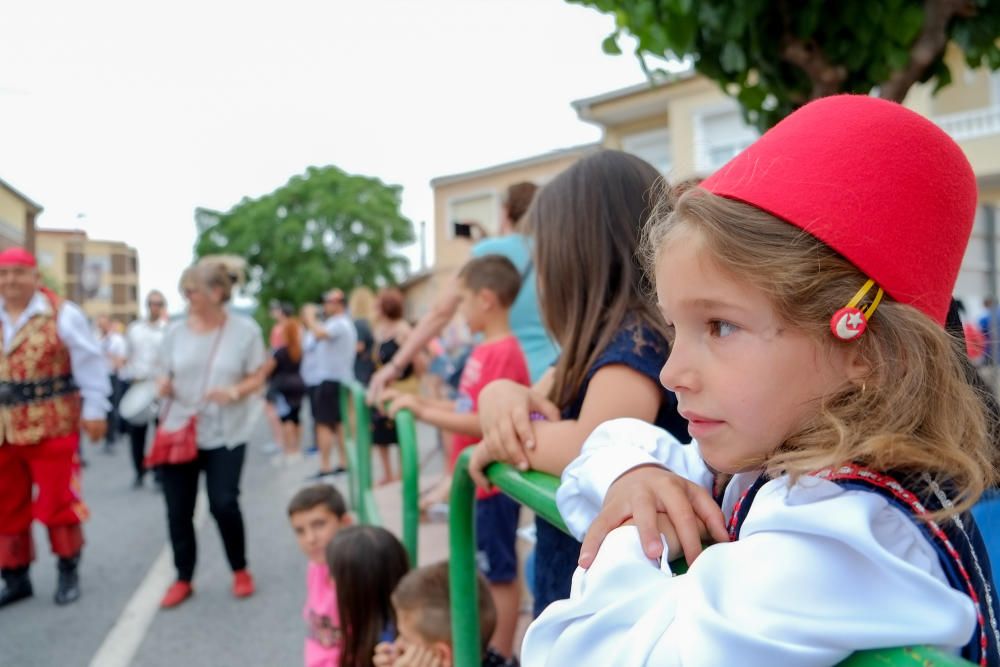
[
  {"x": 435, "y": 412},
  {"x": 615, "y": 391}
]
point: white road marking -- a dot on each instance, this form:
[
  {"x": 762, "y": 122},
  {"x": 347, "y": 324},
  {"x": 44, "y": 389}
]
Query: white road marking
[{"x": 126, "y": 635}]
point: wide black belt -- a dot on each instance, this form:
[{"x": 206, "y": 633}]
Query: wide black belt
[{"x": 20, "y": 393}]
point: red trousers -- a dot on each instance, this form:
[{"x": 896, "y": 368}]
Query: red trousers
[{"x": 40, "y": 482}]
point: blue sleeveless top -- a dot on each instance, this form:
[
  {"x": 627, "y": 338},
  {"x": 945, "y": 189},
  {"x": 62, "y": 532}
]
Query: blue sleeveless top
[{"x": 958, "y": 543}]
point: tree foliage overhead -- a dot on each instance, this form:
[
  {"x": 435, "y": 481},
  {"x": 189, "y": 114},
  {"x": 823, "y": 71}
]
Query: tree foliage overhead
[
  {"x": 323, "y": 229},
  {"x": 773, "y": 56}
]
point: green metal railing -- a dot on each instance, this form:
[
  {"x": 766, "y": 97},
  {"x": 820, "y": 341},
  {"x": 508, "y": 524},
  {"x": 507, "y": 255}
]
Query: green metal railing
[
  {"x": 537, "y": 491},
  {"x": 359, "y": 446}
]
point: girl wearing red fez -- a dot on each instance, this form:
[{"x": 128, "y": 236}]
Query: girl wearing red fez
[{"x": 836, "y": 438}]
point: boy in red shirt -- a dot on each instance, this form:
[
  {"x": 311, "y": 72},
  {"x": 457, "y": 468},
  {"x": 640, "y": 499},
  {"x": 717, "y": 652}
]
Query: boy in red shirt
[{"x": 489, "y": 286}]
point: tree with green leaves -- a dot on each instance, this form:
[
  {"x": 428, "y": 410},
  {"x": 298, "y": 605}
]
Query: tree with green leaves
[
  {"x": 773, "y": 56},
  {"x": 323, "y": 229}
]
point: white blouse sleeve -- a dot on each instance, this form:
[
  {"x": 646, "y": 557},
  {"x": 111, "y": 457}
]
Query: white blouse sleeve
[
  {"x": 90, "y": 370},
  {"x": 614, "y": 448},
  {"x": 817, "y": 574}
]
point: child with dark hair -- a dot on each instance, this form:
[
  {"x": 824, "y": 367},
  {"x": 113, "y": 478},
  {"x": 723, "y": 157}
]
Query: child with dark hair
[
  {"x": 316, "y": 513},
  {"x": 365, "y": 563},
  {"x": 489, "y": 286},
  {"x": 423, "y": 612}
]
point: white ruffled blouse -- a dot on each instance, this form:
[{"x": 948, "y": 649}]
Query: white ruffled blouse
[{"x": 818, "y": 573}]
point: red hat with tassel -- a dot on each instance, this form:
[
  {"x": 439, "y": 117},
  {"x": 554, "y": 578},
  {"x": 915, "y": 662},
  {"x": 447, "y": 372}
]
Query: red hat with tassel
[{"x": 878, "y": 183}]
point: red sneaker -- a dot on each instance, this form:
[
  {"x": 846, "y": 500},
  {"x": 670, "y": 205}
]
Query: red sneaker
[
  {"x": 242, "y": 584},
  {"x": 178, "y": 592}
]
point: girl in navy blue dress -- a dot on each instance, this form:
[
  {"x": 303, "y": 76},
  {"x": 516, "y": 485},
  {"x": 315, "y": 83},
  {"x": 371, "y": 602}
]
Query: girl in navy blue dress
[{"x": 586, "y": 227}]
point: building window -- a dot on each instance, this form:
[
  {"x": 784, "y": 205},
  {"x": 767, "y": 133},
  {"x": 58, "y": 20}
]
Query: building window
[
  {"x": 480, "y": 210},
  {"x": 74, "y": 263},
  {"x": 74, "y": 292},
  {"x": 118, "y": 264},
  {"x": 653, "y": 146},
  {"x": 720, "y": 134},
  {"x": 133, "y": 264},
  {"x": 133, "y": 294},
  {"x": 119, "y": 294}
]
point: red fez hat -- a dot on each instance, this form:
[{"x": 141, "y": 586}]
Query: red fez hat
[
  {"x": 17, "y": 257},
  {"x": 880, "y": 184}
]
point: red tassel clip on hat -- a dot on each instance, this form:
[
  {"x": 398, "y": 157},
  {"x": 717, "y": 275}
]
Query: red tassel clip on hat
[{"x": 880, "y": 184}]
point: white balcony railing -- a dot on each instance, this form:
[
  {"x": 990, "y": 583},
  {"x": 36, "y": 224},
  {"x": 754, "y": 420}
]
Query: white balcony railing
[{"x": 971, "y": 124}]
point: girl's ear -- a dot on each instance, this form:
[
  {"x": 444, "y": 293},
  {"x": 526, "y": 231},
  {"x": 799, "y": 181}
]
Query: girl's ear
[{"x": 856, "y": 367}]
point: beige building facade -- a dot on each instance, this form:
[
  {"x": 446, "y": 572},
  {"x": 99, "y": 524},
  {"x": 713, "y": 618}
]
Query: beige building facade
[
  {"x": 17, "y": 218},
  {"x": 688, "y": 128},
  {"x": 101, "y": 276}
]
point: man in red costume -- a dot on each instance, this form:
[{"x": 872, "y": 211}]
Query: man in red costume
[{"x": 53, "y": 379}]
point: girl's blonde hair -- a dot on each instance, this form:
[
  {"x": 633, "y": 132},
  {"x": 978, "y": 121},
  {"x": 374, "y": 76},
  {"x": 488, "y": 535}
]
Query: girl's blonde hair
[
  {"x": 914, "y": 413},
  {"x": 215, "y": 271}
]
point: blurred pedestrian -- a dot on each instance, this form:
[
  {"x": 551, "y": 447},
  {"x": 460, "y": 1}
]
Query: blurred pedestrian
[
  {"x": 143, "y": 339},
  {"x": 361, "y": 306},
  {"x": 115, "y": 352},
  {"x": 328, "y": 351},
  {"x": 286, "y": 387},
  {"x": 214, "y": 366},
  {"x": 391, "y": 332}
]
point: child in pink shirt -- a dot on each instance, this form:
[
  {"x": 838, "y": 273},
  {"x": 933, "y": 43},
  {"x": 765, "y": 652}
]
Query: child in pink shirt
[{"x": 316, "y": 513}]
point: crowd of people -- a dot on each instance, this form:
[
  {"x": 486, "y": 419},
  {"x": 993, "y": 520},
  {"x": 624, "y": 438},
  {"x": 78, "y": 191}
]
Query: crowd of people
[{"x": 757, "y": 372}]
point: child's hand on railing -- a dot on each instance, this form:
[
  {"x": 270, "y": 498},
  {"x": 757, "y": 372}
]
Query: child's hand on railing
[
  {"x": 480, "y": 458},
  {"x": 404, "y": 402},
  {"x": 505, "y": 409},
  {"x": 648, "y": 496}
]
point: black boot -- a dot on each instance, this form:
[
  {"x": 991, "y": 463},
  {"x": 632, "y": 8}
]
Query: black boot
[
  {"x": 68, "y": 588},
  {"x": 17, "y": 585}
]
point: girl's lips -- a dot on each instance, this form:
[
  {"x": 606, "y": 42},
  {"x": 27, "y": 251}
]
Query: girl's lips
[{"x": 699, "y": 426}]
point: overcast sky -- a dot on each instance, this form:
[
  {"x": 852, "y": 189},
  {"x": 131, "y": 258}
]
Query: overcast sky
[{"x": 121, "y": 117}]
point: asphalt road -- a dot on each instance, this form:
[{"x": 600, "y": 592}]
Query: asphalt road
[{"x": 126, "y": 567}]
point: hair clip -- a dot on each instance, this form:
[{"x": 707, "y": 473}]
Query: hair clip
[{"x": 850, "y": 321}]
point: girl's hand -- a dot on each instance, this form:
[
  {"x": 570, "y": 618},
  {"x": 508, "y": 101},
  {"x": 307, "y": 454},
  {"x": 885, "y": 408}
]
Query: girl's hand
[
  {"x": 385, "y": 654},
  {"x": 641, "y": 496},
  {"x": 378, "y": 383},
  {"x": 418, "y": 656},
  {"x": 404, "y": 402},
  {"x": 504, "y": 413},
  {"x": 481, "y": 457}
]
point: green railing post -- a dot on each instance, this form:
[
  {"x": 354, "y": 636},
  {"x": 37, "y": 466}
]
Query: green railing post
[
  {"x": 367, "y": 509},
  {"x": 350, "y": 442},
  {"x": 462, "y": 566},
  {"x": 406, "y": 430},
  {"x": 536, "y": 491}
]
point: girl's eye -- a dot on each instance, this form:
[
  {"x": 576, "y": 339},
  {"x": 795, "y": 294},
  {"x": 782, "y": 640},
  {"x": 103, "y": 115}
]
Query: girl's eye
[{"x": 721, "y": 328}]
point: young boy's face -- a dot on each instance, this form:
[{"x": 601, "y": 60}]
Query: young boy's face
[
  {"x": 411, "y": 640},
  {"x": 474, "y": 308},
  {"x": 314, "y": 528}
]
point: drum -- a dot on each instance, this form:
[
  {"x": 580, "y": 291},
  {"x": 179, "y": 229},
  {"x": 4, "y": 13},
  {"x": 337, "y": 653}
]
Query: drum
[{"x": 138, "y": 406}]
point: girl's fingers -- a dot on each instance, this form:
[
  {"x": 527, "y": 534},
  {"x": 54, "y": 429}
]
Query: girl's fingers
[
  {"x": 644, "y": 517},
  {"x": 609, "y": 519},
  {"x": 512, "y": 451},
  {"x": 522, "y": 427},
  {"x": 685, "y": 522},
  {"x": 709, "y": 513}
]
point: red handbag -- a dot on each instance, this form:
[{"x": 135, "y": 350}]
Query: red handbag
[
  {"x": 172, "y": 447},
  {"x": 180, "y": 445}
]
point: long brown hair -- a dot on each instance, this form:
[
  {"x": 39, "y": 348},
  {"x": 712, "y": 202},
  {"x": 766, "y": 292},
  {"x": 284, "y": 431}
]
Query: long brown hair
[
  {"x": 366, "y": 563},
  {"x": 586, "y": 225},
  {"x": 914, "y": 413},
  {"x": 292, "y": 330}
]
